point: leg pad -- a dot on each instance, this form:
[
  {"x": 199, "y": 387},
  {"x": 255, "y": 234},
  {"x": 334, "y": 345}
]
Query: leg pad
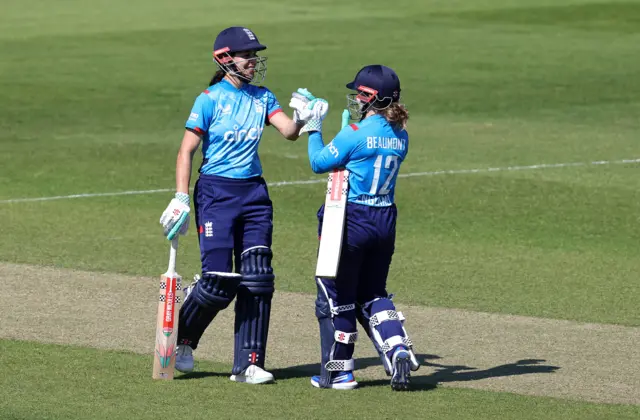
[
  {"x": 206, "y": 297},
  {"x": 253, "y": 309}
]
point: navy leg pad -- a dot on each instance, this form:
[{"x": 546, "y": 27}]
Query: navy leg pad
[
  {"x": 365, "y": 312},
  {"x": 212, "y": 293},
  {"x": 253, "y": 308},
  {"x": 337, "y": 333}
]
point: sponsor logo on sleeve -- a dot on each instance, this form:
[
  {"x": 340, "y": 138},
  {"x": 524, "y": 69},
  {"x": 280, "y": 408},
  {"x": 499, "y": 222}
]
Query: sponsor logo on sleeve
[{"x": 334, "y": 150}]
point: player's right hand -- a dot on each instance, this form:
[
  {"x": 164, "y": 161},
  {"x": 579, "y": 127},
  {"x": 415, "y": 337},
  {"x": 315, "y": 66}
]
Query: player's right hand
[
  {"x": 307, "y": 107},
  {"x": 175, "y": 218}
]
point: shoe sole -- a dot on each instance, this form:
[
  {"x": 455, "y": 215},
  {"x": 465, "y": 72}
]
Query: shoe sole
[
  {"x": 243, "y": 379},
  {"x": 342, "y": 386},
  {"x": 402, "y": 374}
]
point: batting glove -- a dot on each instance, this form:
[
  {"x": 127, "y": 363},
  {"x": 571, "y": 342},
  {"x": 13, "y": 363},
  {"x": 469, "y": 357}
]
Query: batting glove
[
  {"x": 307, "y": 107},
  {"x": 311, "y": 125},
  {"x": 175, "y": 218},
  {"x": 299, "y": 100}
]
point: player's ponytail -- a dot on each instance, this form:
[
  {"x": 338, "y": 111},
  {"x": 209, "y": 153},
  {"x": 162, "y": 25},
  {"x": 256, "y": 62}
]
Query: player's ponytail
[
  {"x": 396, "y": 114},
  {"x": 217, "y": 77}
]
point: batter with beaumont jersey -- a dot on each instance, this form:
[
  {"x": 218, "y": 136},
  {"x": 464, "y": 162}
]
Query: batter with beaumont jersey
[
  {"x": 233, "y": 211},
  {"x": 372, "y": 150}
]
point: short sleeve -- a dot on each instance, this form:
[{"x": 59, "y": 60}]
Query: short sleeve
[
  {"x": 201, "y": 114},
  {"x": 273, "y": 106}
]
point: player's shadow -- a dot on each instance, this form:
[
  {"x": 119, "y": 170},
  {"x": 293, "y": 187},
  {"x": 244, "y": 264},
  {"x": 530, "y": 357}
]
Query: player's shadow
[
  {"x": 200, "y": 375},
  {"x": 462, "y": 373},
  {"x": 442, "y": 374},
  {"x": 308, "y": 370}
]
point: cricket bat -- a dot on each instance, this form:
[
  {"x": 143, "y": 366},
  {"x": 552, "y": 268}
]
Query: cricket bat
[
  {"x": 167, "y": 323},
  {"x": 335, "y": 204}
]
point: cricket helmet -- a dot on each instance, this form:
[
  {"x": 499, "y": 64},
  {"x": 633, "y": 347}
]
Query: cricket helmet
[
  {"x": 377, "y": 88},
  {"x": 234, "y": 40}
]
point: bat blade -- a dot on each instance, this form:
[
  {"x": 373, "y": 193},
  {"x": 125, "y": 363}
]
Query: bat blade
[
  {"x": 335, "y": 205},
  {"x": 164, "y": 355}
]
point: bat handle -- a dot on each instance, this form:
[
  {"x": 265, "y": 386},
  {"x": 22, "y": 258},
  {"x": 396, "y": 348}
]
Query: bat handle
[
  {"x": 345, "y": 118},
  {"x": 173, "y": 252}
]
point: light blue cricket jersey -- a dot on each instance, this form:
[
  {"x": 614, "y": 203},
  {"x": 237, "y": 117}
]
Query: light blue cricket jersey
[
  {"x": 372, "y": 151},
  {"x": 231, "y": 122}
]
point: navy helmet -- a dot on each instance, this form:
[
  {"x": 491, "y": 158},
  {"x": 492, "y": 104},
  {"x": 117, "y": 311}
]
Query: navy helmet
[
  {"x": 234, "y": 40},
  {"x": 378, "y": 87}
]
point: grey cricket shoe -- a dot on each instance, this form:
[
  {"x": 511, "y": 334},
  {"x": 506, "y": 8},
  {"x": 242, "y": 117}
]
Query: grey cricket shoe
[{"x": 184, "y": 358}]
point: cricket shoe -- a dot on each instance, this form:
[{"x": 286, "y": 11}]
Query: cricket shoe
[
  {"x": 342, "y": 380},
  {"x": 401, "y": 363},
  {"x": 184, "y": 358},
  {"x": 253, "y": 375}
]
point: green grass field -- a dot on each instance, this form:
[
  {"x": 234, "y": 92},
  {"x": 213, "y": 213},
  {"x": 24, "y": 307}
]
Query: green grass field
[{"x": 94, "y": 96}]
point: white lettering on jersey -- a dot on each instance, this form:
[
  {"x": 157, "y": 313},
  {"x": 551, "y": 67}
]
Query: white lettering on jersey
[
  {"x": 193, "y": 116},
  {"x": 386, "y": 143},
  {"x": 373, "y": 200},
  {"x": 334, "y": 150},
  {"x": 243, "y": 135}
]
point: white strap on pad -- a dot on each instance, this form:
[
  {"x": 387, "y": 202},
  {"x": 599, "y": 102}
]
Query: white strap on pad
[
  {"x": 345, "y": 337},
  {"x": 395, "y": 341},
  {"x": 383, "y": 316},
  {"x": 340, "y": 365}
]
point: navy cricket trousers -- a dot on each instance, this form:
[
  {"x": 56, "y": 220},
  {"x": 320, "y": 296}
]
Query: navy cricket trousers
[
  {"x": 232, "y": 215},
  {"x": 367, "y": 247}
]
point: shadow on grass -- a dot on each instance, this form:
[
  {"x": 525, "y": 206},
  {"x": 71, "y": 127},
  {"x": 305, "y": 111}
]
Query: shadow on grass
[
  {"x": 442, "y": 374},
  {"x": 200, "y": 375}
]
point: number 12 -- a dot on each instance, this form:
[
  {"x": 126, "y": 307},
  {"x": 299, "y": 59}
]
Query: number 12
[{"x": 390, "y": 162}]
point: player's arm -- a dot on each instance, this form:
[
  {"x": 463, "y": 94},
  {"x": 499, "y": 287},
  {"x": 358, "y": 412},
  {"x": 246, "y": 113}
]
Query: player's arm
[
  {"x": 334, "y": 155},
  {"x": 285, "y": 125},
  {"x": 190, "y": 143},
  {"x": 175, "y": 218},
  {"x": 277, "y": 118}
]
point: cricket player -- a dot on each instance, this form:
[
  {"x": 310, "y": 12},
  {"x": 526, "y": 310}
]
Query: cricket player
[
  {"x": 372, "y": 150},
  {"x": 233, "y": 211}
]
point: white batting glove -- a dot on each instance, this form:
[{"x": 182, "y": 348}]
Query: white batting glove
[
  {"x": 307, "y": 107},
  {"x": 175, "y": 218},
  {"x": 312, "y": 125},
  {"x": 299, "y": 100}
]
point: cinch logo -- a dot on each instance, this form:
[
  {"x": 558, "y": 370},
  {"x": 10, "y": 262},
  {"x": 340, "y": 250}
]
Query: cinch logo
[{"x": 251, "y": 134}]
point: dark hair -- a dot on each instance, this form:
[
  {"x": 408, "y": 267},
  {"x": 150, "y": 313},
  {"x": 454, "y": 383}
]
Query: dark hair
[
  {"x": 396, "y": 114},
  {"x": 217, "y": 77}
]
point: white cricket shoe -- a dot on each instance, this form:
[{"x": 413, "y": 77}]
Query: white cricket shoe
[
  {"x": 184, "y": 358},
  {"x": 253, "y": 375}
]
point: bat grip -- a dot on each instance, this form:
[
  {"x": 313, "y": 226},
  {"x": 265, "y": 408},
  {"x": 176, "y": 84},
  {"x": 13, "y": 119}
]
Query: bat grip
[
  {"x": 173, "y": 252},
  {"x": 345, "y": 118}
]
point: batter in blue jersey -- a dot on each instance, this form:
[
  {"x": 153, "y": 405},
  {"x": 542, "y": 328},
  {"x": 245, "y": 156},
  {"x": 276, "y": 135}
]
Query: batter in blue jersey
[
  {"x": 372, "y": 150},
  {"x": 233, "y": 211}
]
